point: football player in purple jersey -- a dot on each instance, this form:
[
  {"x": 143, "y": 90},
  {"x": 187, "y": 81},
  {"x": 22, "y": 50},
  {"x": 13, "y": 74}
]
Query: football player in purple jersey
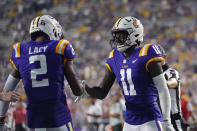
[
  {"x": 138, "y": 70},
  {"x": 42, "y": 64}
]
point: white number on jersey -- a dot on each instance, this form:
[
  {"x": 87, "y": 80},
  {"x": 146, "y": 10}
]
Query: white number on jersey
[
  {"x": 156, "y": 49},
  {"x": 127, "y": 72},
  {"x": 40, "y": 71}
]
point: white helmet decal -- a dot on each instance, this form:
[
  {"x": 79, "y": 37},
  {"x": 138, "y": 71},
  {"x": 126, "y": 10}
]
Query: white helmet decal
[
  {"x": 134, "y": 29},
  {"x": 48, "y": 25}
]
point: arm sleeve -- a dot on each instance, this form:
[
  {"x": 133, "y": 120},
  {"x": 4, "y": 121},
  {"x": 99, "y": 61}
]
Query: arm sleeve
[{"x": 164, "y": 96}]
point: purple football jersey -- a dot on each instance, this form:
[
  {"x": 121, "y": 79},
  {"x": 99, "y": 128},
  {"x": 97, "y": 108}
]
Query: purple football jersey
[
  {"x": 41, "y": 67},
  {"x": 136, "y": 83}
]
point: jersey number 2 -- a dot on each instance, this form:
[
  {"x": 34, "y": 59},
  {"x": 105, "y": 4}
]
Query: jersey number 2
[
  {"x": 40, "y": 71},
  {"x": 127, "y": 73}
]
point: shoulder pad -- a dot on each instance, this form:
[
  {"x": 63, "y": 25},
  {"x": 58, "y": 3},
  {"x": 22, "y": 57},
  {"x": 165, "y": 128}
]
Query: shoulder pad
[
  {"x": 61, "y": 46},
  {"x": 144, "y": 49},
  {"x": 150, "y": 49}
]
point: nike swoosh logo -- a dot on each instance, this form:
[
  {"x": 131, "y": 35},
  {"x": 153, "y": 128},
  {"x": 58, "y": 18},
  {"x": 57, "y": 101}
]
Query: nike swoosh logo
[{"x": 134, "y": 61}]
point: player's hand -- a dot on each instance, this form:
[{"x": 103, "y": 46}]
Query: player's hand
[
  {"x": 12, "y": 96},
  {"x": 167, "y": 126},
  {"x": 84, "y": 94}
]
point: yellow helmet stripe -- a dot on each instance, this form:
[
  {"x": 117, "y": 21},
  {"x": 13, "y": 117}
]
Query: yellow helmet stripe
[
  {"x": 33, "y": 22},
  {"x": 117, "y": 22},
  {"x": 37, "y": 21}
]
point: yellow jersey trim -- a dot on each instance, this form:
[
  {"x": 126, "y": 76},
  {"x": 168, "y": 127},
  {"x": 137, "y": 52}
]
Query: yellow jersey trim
[
  {"x": 70, "y": 126},
  {"x": 13, "y": 46},
  {"x": 159, "y": 123},
  {"x": 144, "y": 50},
  {"x": 58, "y": 45},
  {"x": 111, "y": 54},
  {"x": 11, "y": 61},
  {"x": 17, "y": 49},
  {"x": 153, "y": 59},
  {"x": 61, "y": 46},
  {"x": 108, "y": 67}
]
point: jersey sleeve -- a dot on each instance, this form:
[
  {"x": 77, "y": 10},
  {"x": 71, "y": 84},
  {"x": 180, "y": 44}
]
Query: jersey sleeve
[
  {"x": 109, "y": 61},
  {"x": 16, "y": 53},
  {"x": 64, "y": 48},
  {"x": 152, "y": 53}
]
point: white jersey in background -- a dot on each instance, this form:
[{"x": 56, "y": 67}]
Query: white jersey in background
[{"x": 176, "y": 114}]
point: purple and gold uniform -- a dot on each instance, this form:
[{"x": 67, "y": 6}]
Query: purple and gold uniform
[
  {"x": 136, "y": 83},
  {"x": 41, "y": 67}
]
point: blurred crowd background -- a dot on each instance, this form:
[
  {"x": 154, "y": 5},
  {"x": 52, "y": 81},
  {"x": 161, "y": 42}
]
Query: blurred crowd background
[{"x": 87, "y": 25}]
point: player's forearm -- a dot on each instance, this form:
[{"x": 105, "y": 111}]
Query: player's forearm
[
  {"x": 164, "y": 96},
  {"x": 72, "y": 79},
  {"x": 101, "y": 91},
  {"x": 10, "y": 85},
  {"x": 75, "y": 86},
  {"x": 96, "y": 92}
]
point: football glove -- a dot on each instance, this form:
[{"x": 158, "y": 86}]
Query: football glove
[
  {"x": 84, "y": 94},
  {"x": 167, "y": 126}
]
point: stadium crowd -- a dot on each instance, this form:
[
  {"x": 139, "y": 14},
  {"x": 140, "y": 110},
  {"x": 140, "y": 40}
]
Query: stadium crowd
[{"x": 87, "y": 25}]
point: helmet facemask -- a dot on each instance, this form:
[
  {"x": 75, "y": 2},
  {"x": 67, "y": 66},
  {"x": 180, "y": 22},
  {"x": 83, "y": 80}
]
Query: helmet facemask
[{"x": 120, "y": 38}]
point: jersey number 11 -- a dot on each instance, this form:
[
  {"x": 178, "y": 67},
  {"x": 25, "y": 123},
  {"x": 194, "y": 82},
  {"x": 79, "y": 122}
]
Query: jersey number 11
[{"x": 127, "y": 84}]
